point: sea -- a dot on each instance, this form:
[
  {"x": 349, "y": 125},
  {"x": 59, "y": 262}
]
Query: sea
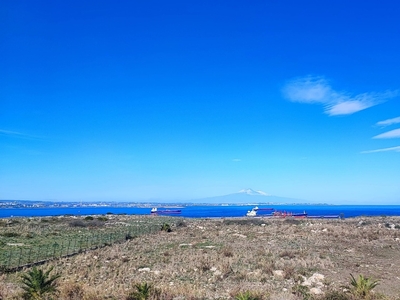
[{"x": 207, "y": 211}]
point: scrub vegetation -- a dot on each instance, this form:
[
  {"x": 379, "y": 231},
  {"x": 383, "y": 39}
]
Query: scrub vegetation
[{"x": 235, "y": 258}]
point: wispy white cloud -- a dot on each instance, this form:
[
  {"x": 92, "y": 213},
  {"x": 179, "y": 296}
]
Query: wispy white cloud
[
  {"x": 389, "y": 122},
  {"x": 8, "y": 132},
  {"x": 318, "y": 90},
  {"x": 391, "y": 149},
  {"x": 392, "y": 134},
  {"x": 236, "y": 159},
  {"x": 16, "y": 134}
]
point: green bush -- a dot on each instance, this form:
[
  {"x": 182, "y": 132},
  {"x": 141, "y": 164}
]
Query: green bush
[
  {"x": 37, "y": 284},
  {"x": 89, "y": 218},
  {"x": 77, "y": 223},
  {"x": 142, "y": 291},
  {"x": 10, "y": 234},
  {"x": 181, "y": 223},
  {"x": 362, "y": 286},
  {"x": 95, "y": 223},
  {"x": 302, "y": 291},
  {"x": 166, "y": 227},
  {"x": 248, "y": 296}
]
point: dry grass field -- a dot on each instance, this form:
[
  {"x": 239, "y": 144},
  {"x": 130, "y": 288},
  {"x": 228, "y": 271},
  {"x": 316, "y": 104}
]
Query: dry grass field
[{"x": 224, "y": 258}]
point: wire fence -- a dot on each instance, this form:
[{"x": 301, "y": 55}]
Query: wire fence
[{"x": 14, "y": 259}]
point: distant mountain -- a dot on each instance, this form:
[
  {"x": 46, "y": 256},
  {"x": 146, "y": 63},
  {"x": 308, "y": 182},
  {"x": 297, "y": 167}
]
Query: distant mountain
[{"x": 248, "y": 196}]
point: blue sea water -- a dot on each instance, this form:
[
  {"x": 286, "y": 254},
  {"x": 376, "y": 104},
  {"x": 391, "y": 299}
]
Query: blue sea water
[{"x": 211, "y": 211}]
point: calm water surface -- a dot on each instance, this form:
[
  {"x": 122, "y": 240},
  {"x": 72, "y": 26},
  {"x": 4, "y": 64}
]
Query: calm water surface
[{"x": 211, "y": 211}]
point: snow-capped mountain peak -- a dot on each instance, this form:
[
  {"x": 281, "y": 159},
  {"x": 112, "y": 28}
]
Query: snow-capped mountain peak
[{"x": 252, "y": 192}]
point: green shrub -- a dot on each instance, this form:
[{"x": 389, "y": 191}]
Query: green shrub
[
  {"x": 142, "y": 291},
  {"x": 248, "y": 296},
  {"x": 12, "y": 222},
  {"x": 166, "y": 227},
  {"x": 302, "y": 291},
  {"x": 37, "y": 284},
  {"x": 29, "y": 235},
  {"x": 10, "y": 234},
  {"x": 77, "y": 223},
  {"x": 95, "y": 223},
  {"x": 362, "y": 286},
  {"x": 89, "y": 218},
  {"x": 103, "y": 219},
  {"x": 181, "y": 223}
]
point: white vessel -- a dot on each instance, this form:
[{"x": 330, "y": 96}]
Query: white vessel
[{"x": 251, "y": 213}]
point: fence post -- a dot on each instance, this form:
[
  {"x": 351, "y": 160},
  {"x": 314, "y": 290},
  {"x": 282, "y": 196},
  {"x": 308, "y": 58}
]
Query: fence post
[
  {"x": 20, "y": 255},
  {"x": 9, "y": 258},
  {"x": 37, "y": 253},
  {"x": 69, "y": 242},
  {"x": 29, "y": 255}
]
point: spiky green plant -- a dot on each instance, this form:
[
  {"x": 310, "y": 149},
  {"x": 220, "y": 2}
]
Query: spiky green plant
[
  {"x": 37, "y": 284},
  {"x": 142, "y": 292},
  {"x": 166, "y": 227},
  {"x": 362, "y": 286},
  {"x": 247, "y": 296}
]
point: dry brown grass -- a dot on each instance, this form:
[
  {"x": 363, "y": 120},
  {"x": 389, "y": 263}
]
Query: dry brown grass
[{"x": 217, "y": 259}]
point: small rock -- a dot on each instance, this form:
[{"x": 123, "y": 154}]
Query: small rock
[
  {"x": 318, "y": 276},
  {"x": 316, "y": 291},
  {"x": 144, "y": 270},
  {"x": 278, "y": 273},
  {"x": 315, "y": 279},
  {"x": 239, "y": 235}
]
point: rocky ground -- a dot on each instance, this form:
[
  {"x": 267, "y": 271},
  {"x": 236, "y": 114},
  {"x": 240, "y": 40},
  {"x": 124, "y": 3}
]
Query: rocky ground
[{"x": 219, "y": 258}]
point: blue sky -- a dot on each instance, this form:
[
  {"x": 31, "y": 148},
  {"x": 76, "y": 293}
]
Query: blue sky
[{"x": 146, "y": 100}]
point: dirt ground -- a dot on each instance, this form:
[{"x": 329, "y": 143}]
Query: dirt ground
[{"x": 218, "y": 258}]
